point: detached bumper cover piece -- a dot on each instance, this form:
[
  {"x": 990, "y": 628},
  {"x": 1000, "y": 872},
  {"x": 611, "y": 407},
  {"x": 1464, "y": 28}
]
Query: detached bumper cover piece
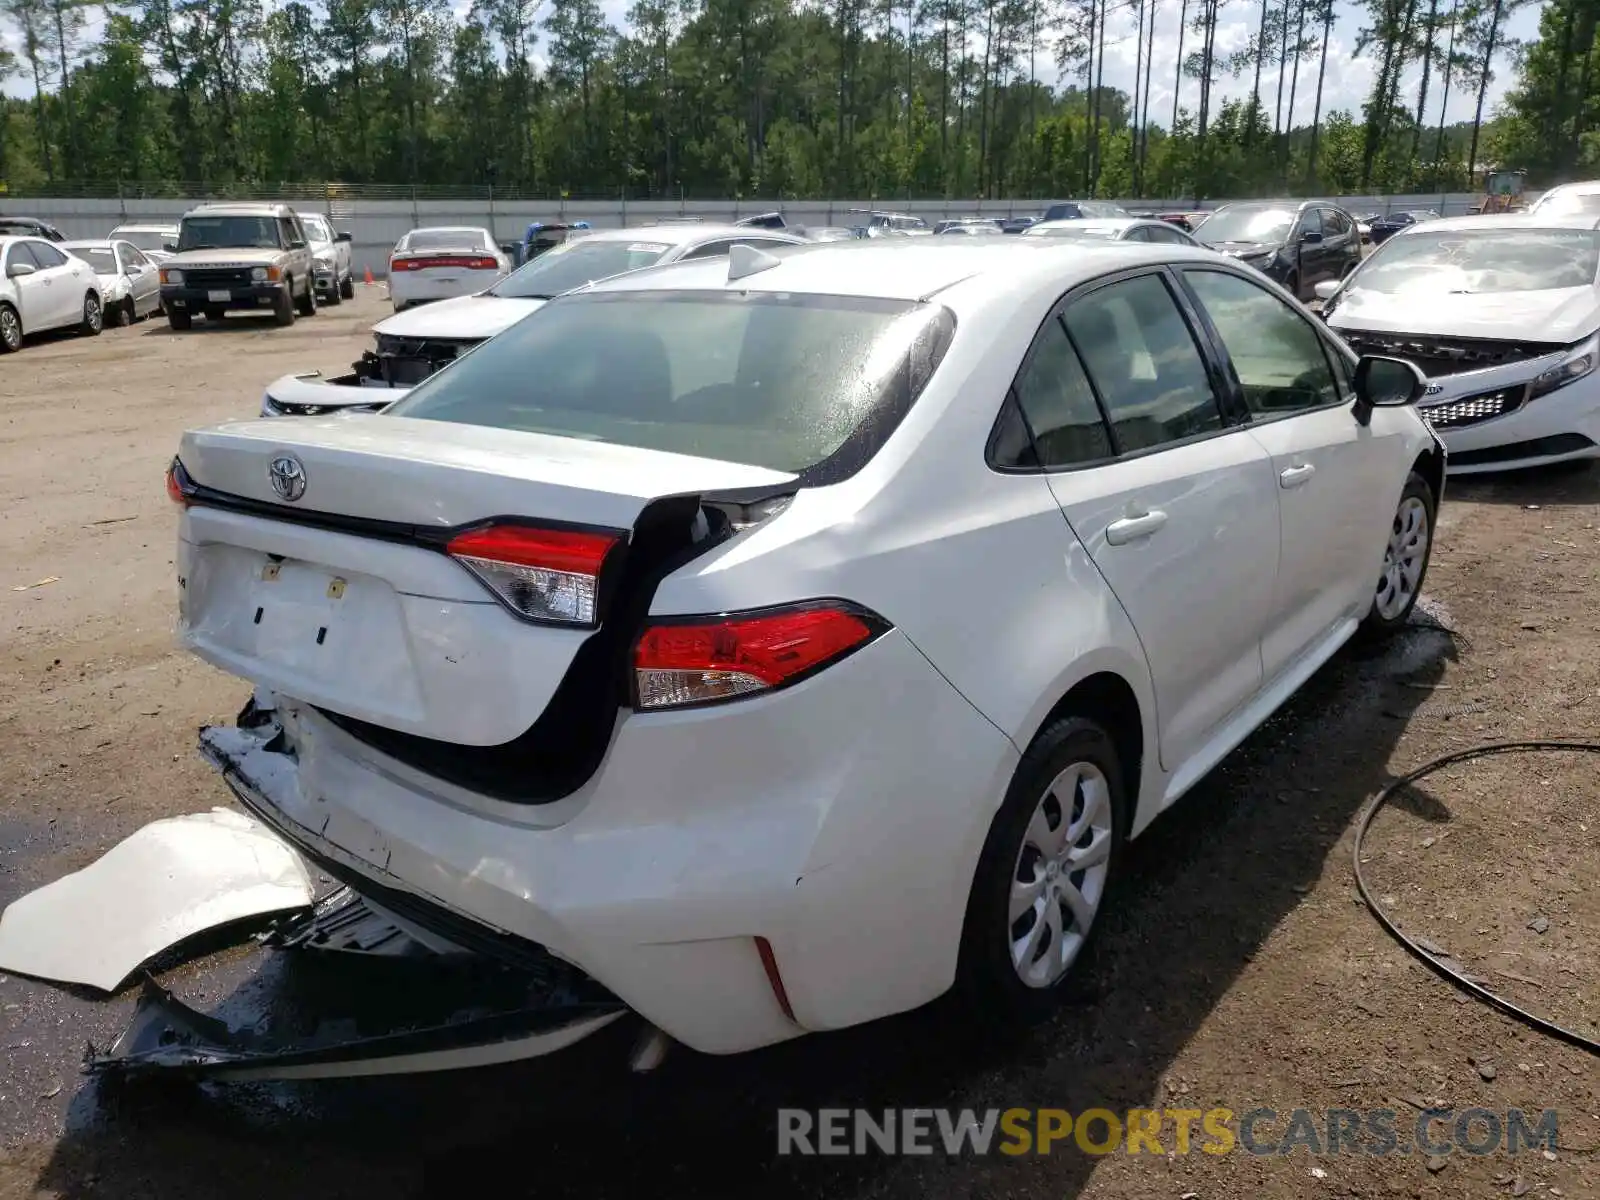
[
  {"x": 167, "y": 1035},
  {"x": 169, "y": 881}
]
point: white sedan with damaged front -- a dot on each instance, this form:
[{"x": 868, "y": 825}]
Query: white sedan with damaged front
[
  {"x": 1502, "y": 313},
  {"x": 783, "y": 641}
]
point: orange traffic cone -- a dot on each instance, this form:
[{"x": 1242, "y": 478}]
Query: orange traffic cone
[{"x": 368, "y": 277}]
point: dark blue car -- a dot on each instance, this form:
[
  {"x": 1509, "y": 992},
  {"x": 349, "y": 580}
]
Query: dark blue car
[{"x": 1386, "y": 227}]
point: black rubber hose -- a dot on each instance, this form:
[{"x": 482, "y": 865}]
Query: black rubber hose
[{"x": 1570, "y": 1036}]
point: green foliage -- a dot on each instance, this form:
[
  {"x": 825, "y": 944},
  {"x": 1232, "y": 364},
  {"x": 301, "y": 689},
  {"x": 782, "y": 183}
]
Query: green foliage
[{"x": 870, "y": 99}]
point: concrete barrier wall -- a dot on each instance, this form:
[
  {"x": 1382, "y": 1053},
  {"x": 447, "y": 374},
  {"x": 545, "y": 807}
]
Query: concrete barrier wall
[{"x": 375, "y": 225}]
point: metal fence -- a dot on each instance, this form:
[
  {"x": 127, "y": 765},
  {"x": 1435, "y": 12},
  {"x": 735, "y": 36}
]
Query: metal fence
[{"x": 376, "y": 224}]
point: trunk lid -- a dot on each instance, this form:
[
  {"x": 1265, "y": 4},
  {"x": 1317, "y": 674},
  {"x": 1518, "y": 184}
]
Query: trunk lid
[{"x": 344, "y": 597}]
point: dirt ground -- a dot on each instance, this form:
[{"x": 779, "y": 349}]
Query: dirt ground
[{"x": 1238, "y": 969}]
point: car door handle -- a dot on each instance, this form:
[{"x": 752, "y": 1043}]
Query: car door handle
[
  {"x": 1293, "y": 477},
  {"x": 1131, "y": 529}
]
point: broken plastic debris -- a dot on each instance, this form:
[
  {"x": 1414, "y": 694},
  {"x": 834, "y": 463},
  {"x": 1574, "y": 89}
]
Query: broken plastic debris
[
  {"x": 23, "y": 587},
  {"x": 167, "y": 1035},
  {"x": 167, "y": 882}
]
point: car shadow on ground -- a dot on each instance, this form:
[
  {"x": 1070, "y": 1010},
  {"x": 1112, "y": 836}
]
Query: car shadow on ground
[
  {"x": 1205, "y": 887},
  {"x": 1564, "y": 484}
]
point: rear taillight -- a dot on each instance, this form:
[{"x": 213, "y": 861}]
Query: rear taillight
[
  {"x": 179, "y": 485},
  {"x": 465, "y": 262},
  {"x": 703, "y": 660},
  {"x": 540, "y": 574}
]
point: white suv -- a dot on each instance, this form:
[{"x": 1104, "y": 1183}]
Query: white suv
[{"x": 784, "y": 639}]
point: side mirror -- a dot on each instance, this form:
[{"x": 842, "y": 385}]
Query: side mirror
[
  {"x": 170, "y": 247},
  {"x": 342, "y": 236},
  {"x": 1386, "y": 383},
  {"x": 1325, "y": 289},
  {"x": 1310, "y": 238},
  {"x": 18, "y": 270}
]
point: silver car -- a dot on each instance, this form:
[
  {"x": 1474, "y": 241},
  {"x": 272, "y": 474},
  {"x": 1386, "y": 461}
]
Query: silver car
[{"x": 130, "y": 283}]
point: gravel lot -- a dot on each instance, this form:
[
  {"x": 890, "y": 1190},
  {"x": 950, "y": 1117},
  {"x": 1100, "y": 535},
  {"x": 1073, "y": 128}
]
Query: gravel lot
[{"x": 1238, "y": 970}]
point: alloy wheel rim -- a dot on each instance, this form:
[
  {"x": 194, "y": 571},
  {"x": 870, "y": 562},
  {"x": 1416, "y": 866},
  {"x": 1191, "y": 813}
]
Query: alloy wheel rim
[
  {"x": 1403, "y": 559},
  {"x": 1060, "y": 875},
  {"x": 91, "y": 312},
  {"x": 10, "y": 329}
]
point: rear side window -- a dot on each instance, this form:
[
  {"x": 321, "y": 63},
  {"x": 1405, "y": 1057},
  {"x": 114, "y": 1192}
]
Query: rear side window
[
  {"x": 1055, "y": 397},
  {"x": 802, "y": 383},
  {"x": 1144, "y": 363}
]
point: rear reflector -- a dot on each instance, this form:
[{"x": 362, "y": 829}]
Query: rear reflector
[
  {"x": 703, "y": 660},
  {"x": 540, "y": 574}
]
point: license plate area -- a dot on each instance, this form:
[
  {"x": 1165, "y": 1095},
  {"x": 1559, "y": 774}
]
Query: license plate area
[
  {"x": 297, "y": 606},
  {"x": 221, "y": 295}
]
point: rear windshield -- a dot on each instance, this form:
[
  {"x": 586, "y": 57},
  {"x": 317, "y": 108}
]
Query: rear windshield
[
  {"x": 444, "y": 239},
  {"x": 101, "y": 259},
  {"x": 807, "y": 384},
  {"x": 145, "y": 239},
  {"x": 1468, "y": 261},
  {"x": 210, "y": 233},
  {"x": 1076, "y": 231},
  {"x": 576, "y": 263}
]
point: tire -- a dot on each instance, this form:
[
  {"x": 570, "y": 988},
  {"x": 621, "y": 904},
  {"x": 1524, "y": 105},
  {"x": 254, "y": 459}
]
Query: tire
[
  {"x": 125, "y": 314},
  {"x": 333, "y": 298},
  {"x": 307, "y": 304},
  {"x": 990, "y": 978},
  {"x": 1405, "y": 560},
  {"x": 10, "y": 330},
  {"x": 94, "y": 320},
  {"x": 180, "y": 319},
  {"x": 283, "y": 309},
  {"x": 347, "y": 288}
]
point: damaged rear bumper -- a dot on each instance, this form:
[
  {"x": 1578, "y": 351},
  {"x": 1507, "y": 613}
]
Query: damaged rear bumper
[{"x": 404, "y": 1009}]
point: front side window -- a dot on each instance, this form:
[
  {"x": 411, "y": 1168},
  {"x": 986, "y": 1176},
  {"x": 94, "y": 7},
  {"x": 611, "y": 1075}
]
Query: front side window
[
  {"x": 1055, "y": 398},
  {"x": 1277, "y": 355},
  {"x": 317, "y": 229},
  {"x": 1311, "y": 221},
  {"x": 575, "y": 264},
  {"x": 1144, "y": 363},
  {"x": 773, "y": 380}
]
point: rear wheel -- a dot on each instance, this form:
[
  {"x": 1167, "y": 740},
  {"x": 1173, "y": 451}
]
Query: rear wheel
[
  {"x": 179, "y": 318},
  {"x": 307, "y": 304},
  {"x": 1405, "y": 559},
  {"x": 283, "y": 306},
  {"x": 10, "y": 330},
  {"x": 93, "y": 319},
  {"x": 1043, "y": 875}
]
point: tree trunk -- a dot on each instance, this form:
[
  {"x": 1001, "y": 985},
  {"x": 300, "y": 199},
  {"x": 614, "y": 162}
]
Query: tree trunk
[
  {"x": 1144, "y": 123},
  {"x": 1294, "y": 85},
  {"x": 1316, "y": 113},
  {"x": 1261, "y": 54},
  {"x": 1427, "y": 69},
  {"x": 1483, "y": 85},
  {"x": 1177, "y": 83},
  {"x": 1449, "y": 72},
  {"x": 1138, "y": 66}
]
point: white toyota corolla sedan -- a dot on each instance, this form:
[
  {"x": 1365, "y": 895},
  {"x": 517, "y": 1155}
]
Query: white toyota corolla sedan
[{"x": 786, "y": 638}]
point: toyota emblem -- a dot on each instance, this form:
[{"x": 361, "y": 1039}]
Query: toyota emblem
[{"x": 288, "y": 477}]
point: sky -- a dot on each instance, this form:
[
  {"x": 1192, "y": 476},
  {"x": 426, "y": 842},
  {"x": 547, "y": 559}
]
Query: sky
[{"x": 1348, "y": 80}]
